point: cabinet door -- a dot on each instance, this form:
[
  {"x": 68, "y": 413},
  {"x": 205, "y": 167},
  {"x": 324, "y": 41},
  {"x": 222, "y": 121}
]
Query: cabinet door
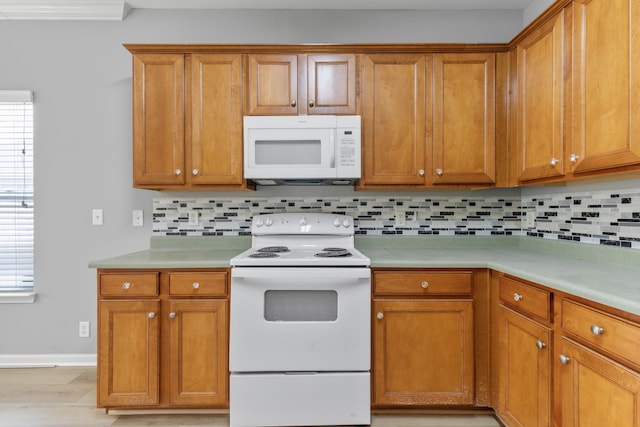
[
  {"x": 464, "y": 118},
  {"x": 128, "y": 340},
  {"x": 606, "y": 67},
  {"x": 216, "y": 119},
  {"x": 525, "y": 374},
  {"x": 331, "y": 84},
  {"x": 158, "y": 119},
  {"x": 423, "y": 352},
  {"x": 397, "y": 103},
  {"x": 540, "y": 124},
  {"x": 198, "y": 352},
  {"x": 597, "y": 391},
  {"x": 273, "y": 84}
]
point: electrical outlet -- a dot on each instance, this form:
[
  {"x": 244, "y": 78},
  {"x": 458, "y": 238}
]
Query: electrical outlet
[
  {"x": 194, "y": 217},
  {"x": 84, "y": 329},
  {"x": 138, "y": 218},
  {"x": 401, "y": 218},
  {"x": 530, "y": 220},
  {"x": 97, "y": 217}
]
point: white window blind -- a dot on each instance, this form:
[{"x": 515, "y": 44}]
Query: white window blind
[{"x": 16, "y": 190}]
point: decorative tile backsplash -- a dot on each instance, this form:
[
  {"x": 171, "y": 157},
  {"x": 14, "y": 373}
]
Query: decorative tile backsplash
[{"x": 600, "y": 217}]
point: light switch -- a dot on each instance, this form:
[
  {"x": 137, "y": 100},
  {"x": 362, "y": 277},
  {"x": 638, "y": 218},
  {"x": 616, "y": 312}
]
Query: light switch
[
  {"x": 138, "y": 218},
  {"x": 97, "y": 217}
]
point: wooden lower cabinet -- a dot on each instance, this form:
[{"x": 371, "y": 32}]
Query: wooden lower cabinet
[
  {"x": 423, "y": 352},
  {"x": 525, "y": 370},
  {"x": 597, "y": 391},
  {"x": 163, "y": 339}
]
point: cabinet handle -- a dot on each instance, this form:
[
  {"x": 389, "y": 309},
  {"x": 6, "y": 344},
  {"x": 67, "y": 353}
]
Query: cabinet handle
[
  {"x": 421, "y": 172},
  {"x": 126, "y": 285},
  {"x": 172, "y": 315},
  {"x": 439, "y": 172},
  {"x": 178, "y": 172},
  {"x": 564, "y": 359},
  {"x": 195, "y": 172},
  {"x": 294, "y": 102},
  {"x": 574, "y": 158},
  {"x": 554, "y": 161},
  {"x": 597, "y": 330},
  {"x": 541, "y": 344},
  {"x": 152, "y": 315},
  {"x": 517, "y": 297},
  {"x": 312, "y": 103},
  {"x": 425, "y": 285},
  {"x": 380, "y": 315},
  {"x": 196, "y": 285}
]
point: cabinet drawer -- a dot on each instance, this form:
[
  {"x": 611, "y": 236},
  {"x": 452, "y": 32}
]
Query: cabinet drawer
[
  {"x": 128, "y": 284},
  {"x": 603, "y": 330},
  {"x": 198, "y": 283},
  {"x": 422, "y": 282},
  {"x": 526, "y": 298}
]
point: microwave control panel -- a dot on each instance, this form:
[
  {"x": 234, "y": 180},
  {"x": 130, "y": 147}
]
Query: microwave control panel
[{"x": 348, "y": 149}]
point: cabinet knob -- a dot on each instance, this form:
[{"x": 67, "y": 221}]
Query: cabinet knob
[
  {"x": 425, "y": 285},
  {"x": 152, "y": 315},
  {"x": 421, "y": 172},
  {"x": 564, "y": 359},
  {"x": 126, "y": 285},
  {"x": 380, "y": 315},
  {"x": 172, "y": 315},
  {"x": 294, "y": 102},
  {"x": 517, "y": 297},
  {"x": 195, "y": 172},
  {"x": 196, "y": 285},
  {"x": 439, "y": 172},
  {"x": 574, "y": 158},
  {"x": 178, "y": 172},
  {"x": 597, "y": 330},
  {"x": 554, "y": 161},
  {"x": 541, "y": 344},
  {"x": 311, "y": 103}
]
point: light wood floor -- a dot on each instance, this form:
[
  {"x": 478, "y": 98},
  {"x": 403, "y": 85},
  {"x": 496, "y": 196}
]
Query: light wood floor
[{"x": 65, "y": 397}]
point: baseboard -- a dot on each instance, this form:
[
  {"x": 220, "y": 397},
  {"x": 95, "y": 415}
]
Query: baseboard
[{"x": 46, "y": 360}]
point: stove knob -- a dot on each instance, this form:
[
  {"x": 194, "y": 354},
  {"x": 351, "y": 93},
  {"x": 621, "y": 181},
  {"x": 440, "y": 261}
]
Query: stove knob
[
  {"x": 259, "y": 222},
  {"x": 303, "y": 221},
  {"x": 337, "y": 222},
  {"x": 346, "y": 223},
  {"x": 268, "y": 222}
]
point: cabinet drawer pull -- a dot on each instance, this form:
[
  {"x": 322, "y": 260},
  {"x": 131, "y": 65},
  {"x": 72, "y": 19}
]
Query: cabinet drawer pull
[
  {"x": 439, "y": 172},
  {"x": 293, "y": 102},
  {"x": 196, "y": 285},
  {"x": 195, "y": 172},
  {"x": 421, "y": 172},
  {"x": 380, "y": 315},
  {"x": 172, "y": 315},
  {"x": 554, "y": 161},
  {"x": 152, "y": 315},
  {"x": 564, "y": 359},
  {"x": 574, "y": 158},
  {"x": 517, "y": 297},
  {"x": 541, "y": 344},
  {"x": 311, "y": 103},
  {"x": 178, "y": 172},
  {"x": 126, "y": 285},
  {"x": 597, "y": 330},
  {"x": 425, "y": 285}
]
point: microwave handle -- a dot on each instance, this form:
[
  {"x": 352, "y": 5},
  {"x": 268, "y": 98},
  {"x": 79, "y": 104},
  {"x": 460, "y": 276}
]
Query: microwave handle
[{"x": 332, "y": 149}]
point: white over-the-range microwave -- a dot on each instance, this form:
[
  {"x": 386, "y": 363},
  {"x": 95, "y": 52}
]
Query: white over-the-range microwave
[{"x": 302, "y": 149}]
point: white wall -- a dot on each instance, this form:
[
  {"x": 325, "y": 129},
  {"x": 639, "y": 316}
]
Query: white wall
[{"x": 81, "y": 76}]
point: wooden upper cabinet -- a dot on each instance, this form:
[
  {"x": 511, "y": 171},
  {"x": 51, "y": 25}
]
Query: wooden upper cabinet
[
  {"x": 290, "y": 84},
  {"x": 158, "y": 119},
  {"x": 540, "y": 108},
  {"x": 464, "y": 115},
  {"x": 216, "y": 119},
  {"x": 605, "y": 81},
  {"x": 396, "y": 119}
]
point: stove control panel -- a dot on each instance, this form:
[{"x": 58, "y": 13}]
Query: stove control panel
[{"x": 302, "y": 223}]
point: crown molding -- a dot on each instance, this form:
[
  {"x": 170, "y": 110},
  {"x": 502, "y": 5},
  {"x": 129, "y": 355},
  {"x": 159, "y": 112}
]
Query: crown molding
[{"x": 70, "y": 10}]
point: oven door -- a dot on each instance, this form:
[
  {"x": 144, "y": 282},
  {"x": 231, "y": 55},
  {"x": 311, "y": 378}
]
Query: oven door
[{"x": 297, "y": 319}]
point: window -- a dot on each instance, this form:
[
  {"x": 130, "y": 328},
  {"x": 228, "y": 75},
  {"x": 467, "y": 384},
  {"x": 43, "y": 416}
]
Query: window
[{"x": 16, "y": 193}]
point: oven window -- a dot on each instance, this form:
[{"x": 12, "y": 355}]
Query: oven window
[
  {"x": 288, "y": 152},
  {"x": 300, "y": 306}
]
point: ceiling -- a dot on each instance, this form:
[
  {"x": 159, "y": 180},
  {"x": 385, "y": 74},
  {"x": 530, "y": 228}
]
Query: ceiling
[{"x": 118, "y": 9}]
